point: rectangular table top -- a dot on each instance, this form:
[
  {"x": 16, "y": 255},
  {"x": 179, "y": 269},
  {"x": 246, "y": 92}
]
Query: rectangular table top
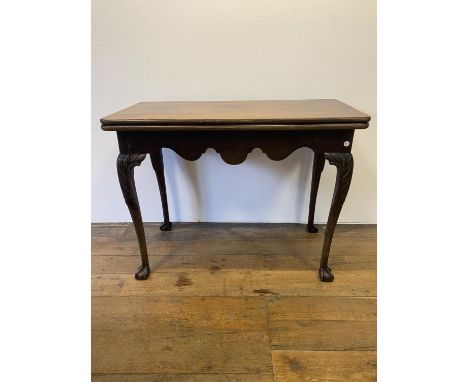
[{"x": 316, "y": 114}]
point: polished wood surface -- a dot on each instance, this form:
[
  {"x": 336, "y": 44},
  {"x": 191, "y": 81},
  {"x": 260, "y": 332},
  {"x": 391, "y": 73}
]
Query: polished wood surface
[
  {"x": 237, "y": 115},
  {"x": 233, "y": 302},
  {"x": 234, "y": 129}
]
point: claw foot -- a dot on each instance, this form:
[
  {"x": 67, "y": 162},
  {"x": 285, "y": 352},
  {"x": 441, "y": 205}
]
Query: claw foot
[
  {"x": 143, "y": 272},
  {"x": 167, "y": 226},
  {"x": 311, "y": 228},
  {"x": 326, "y": 274}
]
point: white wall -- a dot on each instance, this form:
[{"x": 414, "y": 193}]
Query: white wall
[{"x": 145, "y": 50}]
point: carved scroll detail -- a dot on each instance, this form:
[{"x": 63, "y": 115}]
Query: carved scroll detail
[
  {"x": 125, "y": 170},
  {"x": 344, "y": 165},
  {"x": 125, "y": 165}
]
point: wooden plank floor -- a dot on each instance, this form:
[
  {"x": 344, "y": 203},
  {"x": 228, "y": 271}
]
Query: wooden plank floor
[{"x": 233, "y": 302}]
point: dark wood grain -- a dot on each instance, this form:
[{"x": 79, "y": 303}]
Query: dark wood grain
[
  {"x": 197, "y": 115},
  {"x": 234, "y": 146},
  {"x": 158, "y": 165},
  {"x": 344, "y": 172},
  {"x": 125, "y": 170},
  {"x": 317, "y": 168},
  {"x": 234, "y": 129}
]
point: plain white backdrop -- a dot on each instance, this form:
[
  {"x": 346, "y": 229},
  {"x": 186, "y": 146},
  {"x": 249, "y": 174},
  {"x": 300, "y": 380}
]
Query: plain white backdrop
[{"x": 150, "y": 50}]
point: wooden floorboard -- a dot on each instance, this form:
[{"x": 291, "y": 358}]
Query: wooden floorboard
[
  {"x": 233, "y": 302},
  {"x": 343, "y": 366},
  {"x": 214, "y": 262},
  {"x": 318, "y": 323},
  {"x": 236, "y": 283},
  {"x": 182, "y": 377}
]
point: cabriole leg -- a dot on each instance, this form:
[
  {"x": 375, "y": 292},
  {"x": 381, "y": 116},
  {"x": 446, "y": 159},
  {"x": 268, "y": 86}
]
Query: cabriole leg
[
  {"x": 317, "y": 168},
  {"x": 158, "y": 165},
  {"x": 344, "y": 173},
  {"x": 125, "y": 165}
]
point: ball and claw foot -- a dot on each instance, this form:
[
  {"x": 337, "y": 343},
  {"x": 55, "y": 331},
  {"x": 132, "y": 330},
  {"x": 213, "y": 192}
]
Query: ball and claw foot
[
  {"x": 311, "y": 228},
  {"x": 326, "y": 274},
  {"x": 166, "y": 226},
  {"x": 143, "y": 272}
]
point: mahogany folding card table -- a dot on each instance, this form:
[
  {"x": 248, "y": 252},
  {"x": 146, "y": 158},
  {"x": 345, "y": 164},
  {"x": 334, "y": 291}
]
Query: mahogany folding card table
[{"x": 234, "y": 129}]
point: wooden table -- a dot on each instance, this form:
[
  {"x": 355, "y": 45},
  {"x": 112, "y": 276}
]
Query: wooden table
[{"x": 234, "y": 129}]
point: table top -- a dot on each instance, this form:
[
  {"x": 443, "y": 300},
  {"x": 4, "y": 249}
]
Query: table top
[{"x": 315, "y": 114}]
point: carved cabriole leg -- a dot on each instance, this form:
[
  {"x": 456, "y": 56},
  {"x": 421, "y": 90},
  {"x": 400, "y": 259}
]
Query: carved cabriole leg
[
  {"x": 317, "y": 168},
  {"x": 125, "y": 166},
  {"x": 158, "y": 165},
  {"x": 344, "y": 172}
]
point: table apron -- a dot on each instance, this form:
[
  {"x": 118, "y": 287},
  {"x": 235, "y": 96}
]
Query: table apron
[{"x": 234, "y": 146}]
